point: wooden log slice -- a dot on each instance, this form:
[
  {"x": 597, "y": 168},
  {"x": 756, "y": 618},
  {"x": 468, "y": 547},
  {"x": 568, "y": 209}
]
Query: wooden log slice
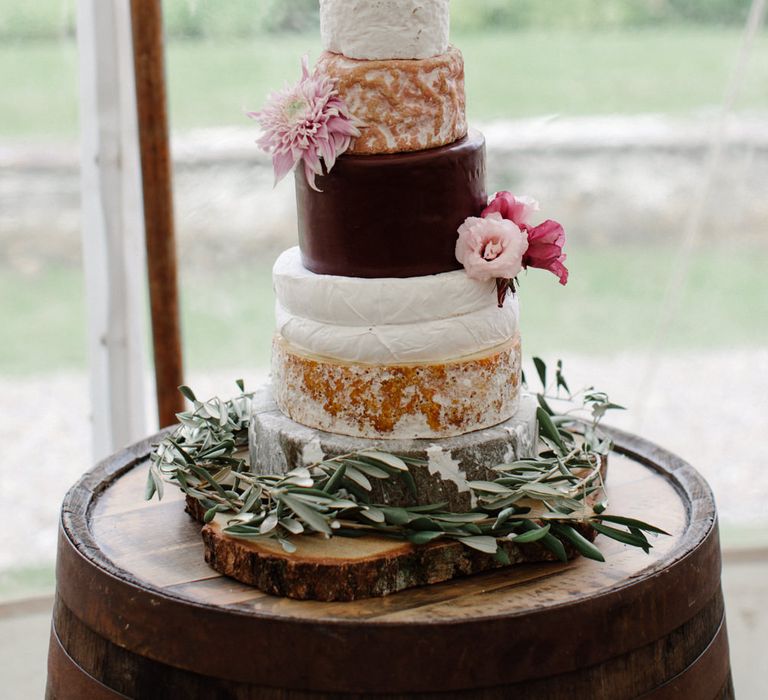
[
  {"x": 140, "y": 614},
  {"x": 345, "y": 569}
]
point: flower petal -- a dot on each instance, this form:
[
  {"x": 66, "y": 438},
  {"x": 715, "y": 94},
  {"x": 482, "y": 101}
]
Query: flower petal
[
  {"x": 545, "y": 249},
  {"x": 306, "y": 121},
  {"x": 508, "y": 242},
  {"x": 282, "y": 163},
  {"x": 516, "y": 209}
]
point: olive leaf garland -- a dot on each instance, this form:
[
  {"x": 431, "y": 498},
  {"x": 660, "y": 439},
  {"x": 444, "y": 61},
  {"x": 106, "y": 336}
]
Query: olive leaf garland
[{"x": 552, "y": 498}]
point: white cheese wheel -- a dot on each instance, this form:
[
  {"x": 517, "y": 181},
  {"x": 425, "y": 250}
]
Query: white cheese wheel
[
  {"x": 360, "y": 301},
  {"x": 382, "y": 29},
  {"x": 426, "y": 341}
]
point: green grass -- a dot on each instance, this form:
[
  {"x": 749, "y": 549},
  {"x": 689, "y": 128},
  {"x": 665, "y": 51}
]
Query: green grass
[
  {"x": 43, "y": 320},
  {"x": 611, "y": 303},
  {"x": 659, "y": 70},
  {"x": 27, "y": 582},
  {"x": 614, "y": 299},
  {"x": 509, "y": 74}
]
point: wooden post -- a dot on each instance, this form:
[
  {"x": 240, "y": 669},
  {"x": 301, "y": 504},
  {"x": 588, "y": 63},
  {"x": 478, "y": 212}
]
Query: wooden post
[
  {"x": 151, "y": 103},
  {"x": 113, "y": 235}
]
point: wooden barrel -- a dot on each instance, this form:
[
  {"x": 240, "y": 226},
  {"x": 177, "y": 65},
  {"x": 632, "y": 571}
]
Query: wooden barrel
[{"x": 140, "y": 615}]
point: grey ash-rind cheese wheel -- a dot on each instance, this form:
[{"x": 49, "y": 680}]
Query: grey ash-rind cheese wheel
[{"x": 279, "y": 444}]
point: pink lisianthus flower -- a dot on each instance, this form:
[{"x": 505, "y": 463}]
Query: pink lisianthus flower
[
  {"x": 491, "y": 248},
  {"x": 307, "y": 121},
  {"x": 545, "y": 241}
]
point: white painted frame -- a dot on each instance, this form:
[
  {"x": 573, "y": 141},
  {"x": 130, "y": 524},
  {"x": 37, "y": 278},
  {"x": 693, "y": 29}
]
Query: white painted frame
[{"x": 112, "y": 225}]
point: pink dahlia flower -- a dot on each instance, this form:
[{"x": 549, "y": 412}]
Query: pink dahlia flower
[
  {"x": 491, "y": 247},
  {"x": 545, "y": 241},
  {"x": 307, "y": 121}
]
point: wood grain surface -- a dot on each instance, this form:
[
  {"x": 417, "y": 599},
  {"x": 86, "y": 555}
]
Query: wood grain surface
[
  {"x": 157, "y": 188},
  {"x": 138, "y": 609},
  {"x": 346, "y": 569}
]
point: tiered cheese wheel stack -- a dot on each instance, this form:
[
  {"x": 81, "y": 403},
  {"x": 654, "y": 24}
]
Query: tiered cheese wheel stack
[{"x": 381, "y": 334}]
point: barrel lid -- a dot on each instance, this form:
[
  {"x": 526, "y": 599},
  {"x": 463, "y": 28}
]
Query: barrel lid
[{"x": 134, "y": 573}]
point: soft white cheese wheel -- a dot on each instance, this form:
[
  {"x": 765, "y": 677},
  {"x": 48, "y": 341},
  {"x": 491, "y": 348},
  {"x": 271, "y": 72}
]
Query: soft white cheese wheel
[
  {"x": 428, "y": 341},
  {"x": 384, "y": 29},
  {"x": 360, "y": 301},
  {"x": 389, "y": 320}
]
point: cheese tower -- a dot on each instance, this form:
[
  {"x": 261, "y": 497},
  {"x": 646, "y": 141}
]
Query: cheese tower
[{"x": 380, "y": 332}]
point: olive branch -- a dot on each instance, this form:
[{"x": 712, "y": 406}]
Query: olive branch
[{"x": 555, "y": 498}]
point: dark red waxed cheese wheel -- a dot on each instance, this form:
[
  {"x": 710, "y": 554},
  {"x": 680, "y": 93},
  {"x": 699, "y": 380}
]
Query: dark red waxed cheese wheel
[{"x": 391, "y": 215}]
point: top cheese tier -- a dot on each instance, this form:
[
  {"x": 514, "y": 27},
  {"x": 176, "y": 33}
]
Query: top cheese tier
[{"x": 385, "y": 29}]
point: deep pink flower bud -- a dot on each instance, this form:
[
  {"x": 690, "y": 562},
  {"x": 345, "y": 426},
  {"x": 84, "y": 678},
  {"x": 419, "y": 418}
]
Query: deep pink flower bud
[
  {"x": 545, "y": 249},
  {"x": 515, "y": 209}
]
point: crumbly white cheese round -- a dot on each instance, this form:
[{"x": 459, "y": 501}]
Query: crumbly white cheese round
[{"x": 382, "y": 29}]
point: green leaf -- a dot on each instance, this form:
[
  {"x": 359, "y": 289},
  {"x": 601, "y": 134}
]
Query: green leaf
[
  {"x": 504, "y": 502},
  {"x": 396, "y": 516},
  {"x": 210, "y": 514},
  {"x": 187, "y": 457},
  {"x": 488, "y": 487},
  {"x": 268, "y": 524},
  {"x": 541, "y": 370},
  {"x": 360, "y": 494},
  {"x": 253, "y": 497},
  {"x": 560, "y": 379},
  {"x": 306, "y": 513},
  {"x": 374, "y": 514},
  {"x": 424, "y": 536},
  {"x": 332, "y": 485},
  {"x": 533, "y": 535},
  {"x": 243, "y": 529},
  {"x": 358, "y": 477},
  {"x": 391, "y": 461},
  {"x": 368, "y": 469},
  {"x": 482, "y": 543},
  {"x": 555, "y": 546},
  {"x": 503, "y": 516},
  {"x": 423, "y": 523},
  {"x": 240, "y": 385},
  {"x": 548, "y": 429},
  {"x": 502, "y": 557},
  {"x": 149, "y": 487},
  {"x": 460, "y": 517},
  {"x": 187, "y": 393},
  {"x": 245, "y": 532},
  {"x": 541, "y": 490},
  {"x": 287, "y": 545},
  {"x": 549, "y": 541},
  {"x": 410, "y": 483},
  {"x": 205, "y": 476},
  {"x": 582, "y": 544},
  {"x": 543, "y": 403},
  {"x": 631, "y": 522},
  {"x": 621, "y": 536},
  {"x": 431, "y": 508}
]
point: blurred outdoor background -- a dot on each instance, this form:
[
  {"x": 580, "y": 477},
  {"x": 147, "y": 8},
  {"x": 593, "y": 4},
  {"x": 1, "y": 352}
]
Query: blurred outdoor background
[{"x": 641, "y": 125}]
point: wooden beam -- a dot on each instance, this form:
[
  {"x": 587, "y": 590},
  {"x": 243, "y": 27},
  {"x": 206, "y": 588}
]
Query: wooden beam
[
  {"x": 112, "y": 227},
  {"x": 151, "y": 104}
]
